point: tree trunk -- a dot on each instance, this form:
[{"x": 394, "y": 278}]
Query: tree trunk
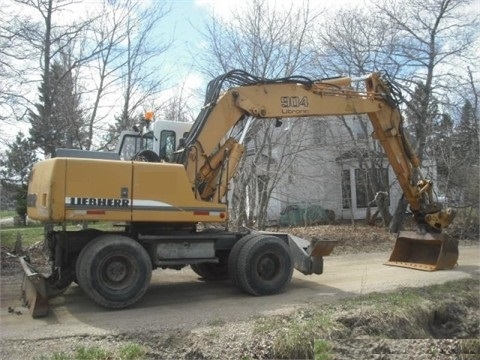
[
  {"x": 382, "y": 204},
  {"x": 396, "y": 223}
]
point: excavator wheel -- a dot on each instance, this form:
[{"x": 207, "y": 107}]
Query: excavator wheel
[
  {"x": 264, "y": 266},
  {"x": 211, "y": 271},
  {"x": 114, "y": 271},
  {"x": 233, "y": 257}
]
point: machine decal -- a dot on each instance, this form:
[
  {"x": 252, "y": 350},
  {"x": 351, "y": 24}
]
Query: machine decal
[
  {"x": 97, "y": 206},
  {"x": 208, "y": 213},
  {"x": 154, "y": 205},
  {"x": 294, "y": 105},
  {"x": 96, "y": 203},
  {"x": 150, "y": 205}
]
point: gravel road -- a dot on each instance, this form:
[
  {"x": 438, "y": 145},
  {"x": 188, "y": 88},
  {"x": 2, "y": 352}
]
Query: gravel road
[{"x": 180, "y": 300}]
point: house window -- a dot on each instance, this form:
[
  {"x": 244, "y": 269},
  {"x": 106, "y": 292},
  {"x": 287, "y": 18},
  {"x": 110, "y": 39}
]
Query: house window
[
  {"x": 361, "y": 136},
  {"x": 367, "y": 183},
  {"x": 320, "y": 132},
  {"x": 346, "y": 189}
]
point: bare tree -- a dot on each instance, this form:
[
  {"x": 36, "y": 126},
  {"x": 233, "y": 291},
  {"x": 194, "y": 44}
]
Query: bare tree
[
  {"x": 353, "y": 42},
  {"x": 268, "y": 42},
  {"x": 413, "y": 41},
  {"x": 133, "y": 59},
  {"x": 9, "y": 72},
  {"x": 177, "y": 107},
  {"x": 43, "y": 35},
  {"x": 433, "y": 34}
]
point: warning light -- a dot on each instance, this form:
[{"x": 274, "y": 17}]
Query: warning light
[{"x": 149, "y": 116}]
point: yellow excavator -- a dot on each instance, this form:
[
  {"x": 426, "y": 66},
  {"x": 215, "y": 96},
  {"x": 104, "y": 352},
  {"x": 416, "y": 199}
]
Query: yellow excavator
[{"x": 161, "y": 184}]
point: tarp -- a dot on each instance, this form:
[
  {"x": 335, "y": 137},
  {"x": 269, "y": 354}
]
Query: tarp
[{"x": 303, "y": 215}]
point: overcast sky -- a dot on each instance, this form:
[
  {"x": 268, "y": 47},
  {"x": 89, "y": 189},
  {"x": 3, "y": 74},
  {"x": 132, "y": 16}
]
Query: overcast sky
[
  {"x": 184, "y": 24},
  {"x": 186, "y": 21}
]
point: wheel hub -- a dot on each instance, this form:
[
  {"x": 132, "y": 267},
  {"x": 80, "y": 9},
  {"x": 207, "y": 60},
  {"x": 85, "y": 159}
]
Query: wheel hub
[
  {"x": 268, "y": 267},
  {"x": 116, "y": 271}
]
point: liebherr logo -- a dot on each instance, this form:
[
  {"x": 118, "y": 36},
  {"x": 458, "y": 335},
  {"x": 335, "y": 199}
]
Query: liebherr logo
[{"x": 96, "y": 202}]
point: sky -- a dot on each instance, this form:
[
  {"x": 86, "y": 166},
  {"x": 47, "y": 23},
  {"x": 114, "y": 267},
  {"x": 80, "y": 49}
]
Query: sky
[
  {"x": 188, "y": 17},
  {"x": 183, "y": 25},
  {"x": 187, "y": 20}
]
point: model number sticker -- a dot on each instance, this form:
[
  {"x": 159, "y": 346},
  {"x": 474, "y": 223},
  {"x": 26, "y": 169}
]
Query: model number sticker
[
  {"x": 294, "y": 101},
  {"x": 294, "y": 105}
]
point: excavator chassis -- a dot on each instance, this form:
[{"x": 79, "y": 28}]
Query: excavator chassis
[
  {"x": 427, "y": 251},
  {"x": 307, "y": 258}
]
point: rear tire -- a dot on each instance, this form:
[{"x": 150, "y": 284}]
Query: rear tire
[
  {"x": 233, "y": 257},
  {"x": 114, "y": 271},
  {"x": 211, "y": 271},
  {"x": 264, "y": 266}
]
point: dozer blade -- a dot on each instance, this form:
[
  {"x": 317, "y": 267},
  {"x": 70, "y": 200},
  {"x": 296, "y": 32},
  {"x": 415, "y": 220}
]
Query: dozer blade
[
  {"x": 429, "y": 251},
  {"x": 308, "y": 256},
  {"x": 34, "y": 290}
]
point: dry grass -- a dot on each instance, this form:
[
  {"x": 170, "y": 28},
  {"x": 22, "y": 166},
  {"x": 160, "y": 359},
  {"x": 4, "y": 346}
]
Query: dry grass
[
  {"x": 351, "y": 239},
  {"x": 432, "y": 313}
]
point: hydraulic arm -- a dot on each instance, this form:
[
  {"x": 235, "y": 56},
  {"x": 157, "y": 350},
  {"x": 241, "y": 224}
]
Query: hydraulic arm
[{"x": 207, "y": 151}]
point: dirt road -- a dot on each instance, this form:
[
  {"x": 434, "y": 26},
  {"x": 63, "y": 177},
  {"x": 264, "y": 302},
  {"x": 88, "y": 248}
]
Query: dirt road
[{"x": 178, "y": 299}]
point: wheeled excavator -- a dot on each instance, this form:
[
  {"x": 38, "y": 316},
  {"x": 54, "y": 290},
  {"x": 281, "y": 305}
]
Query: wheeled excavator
[{"x": 160, "y": 190}]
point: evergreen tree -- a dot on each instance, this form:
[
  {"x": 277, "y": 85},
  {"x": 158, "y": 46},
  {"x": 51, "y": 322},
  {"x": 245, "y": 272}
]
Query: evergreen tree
[
  {"x": 59, "y": 122},
  {"x": 466, "y": 151},
  {"x": 421, "y": 115},
  {"x": 16, "y": 166},
  {"x": 122, "y": 122},
  {"x": 467, "y": 133}
]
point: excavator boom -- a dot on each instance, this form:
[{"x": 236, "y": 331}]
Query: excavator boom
[{"x": 206, "y": 151}]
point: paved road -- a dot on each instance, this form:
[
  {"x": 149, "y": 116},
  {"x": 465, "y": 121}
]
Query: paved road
[{"x": 178, "y": 299}]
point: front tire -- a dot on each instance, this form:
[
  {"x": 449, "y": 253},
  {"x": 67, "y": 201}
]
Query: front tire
[
  {"x": 233, "y": 257},
  {"x": 264, "y": 266},
  {"x": 114, "y": 271}
]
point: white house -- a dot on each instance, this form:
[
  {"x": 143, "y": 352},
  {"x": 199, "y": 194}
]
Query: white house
[{"x": 330, "y": 167}]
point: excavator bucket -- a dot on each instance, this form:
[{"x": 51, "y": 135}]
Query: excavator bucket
[
  {"x": 428, "y": 252},
  {"x": 34, "y": 290}
]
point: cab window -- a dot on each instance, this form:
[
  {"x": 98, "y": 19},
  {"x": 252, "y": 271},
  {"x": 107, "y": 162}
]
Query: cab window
[
  {"x": 167, "y": 145},
  {"x": 132, "y": 144}
]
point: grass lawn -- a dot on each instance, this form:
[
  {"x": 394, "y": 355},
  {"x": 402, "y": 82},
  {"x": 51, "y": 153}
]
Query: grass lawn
[
  {"x": 33, "y": 233},
  {"x": 7, "y": 214}
]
